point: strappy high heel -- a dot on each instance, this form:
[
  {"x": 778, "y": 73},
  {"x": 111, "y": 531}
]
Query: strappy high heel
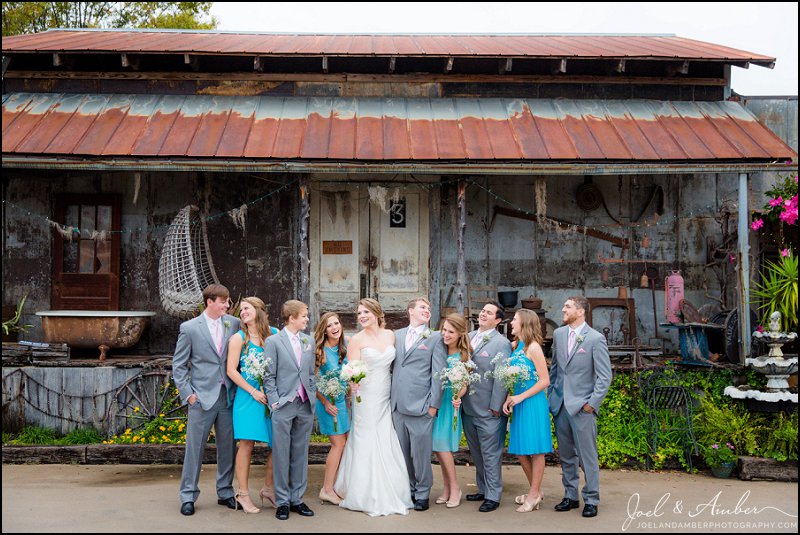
[
  {"x": 266, "y": 494},
  {"x": 441, "y": 499},
  {"x": 247, "y": 508},
  {"x": 527, "y": 507},
  {"x": 325, "y": 497},
  {"x": 519, "y": 500}
]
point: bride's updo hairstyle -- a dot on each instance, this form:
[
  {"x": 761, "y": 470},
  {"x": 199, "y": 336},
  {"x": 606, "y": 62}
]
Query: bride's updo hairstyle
[{"x": 373, "y": 306}]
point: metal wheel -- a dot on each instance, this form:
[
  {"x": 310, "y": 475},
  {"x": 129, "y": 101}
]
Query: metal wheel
[{"x": 142, "y": 399}]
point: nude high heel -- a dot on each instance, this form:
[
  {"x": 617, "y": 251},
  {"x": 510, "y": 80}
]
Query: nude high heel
[
  {"x": 325, "y": 497},
  {"x": 441, "y": 499},
  {"x": 456, "y": 503},
  {"x": 519, "y": 500},
  {"x": 266, "y": 494},
  {"x": 527, "y": 507},
  {"x": 247, "y": 508}
]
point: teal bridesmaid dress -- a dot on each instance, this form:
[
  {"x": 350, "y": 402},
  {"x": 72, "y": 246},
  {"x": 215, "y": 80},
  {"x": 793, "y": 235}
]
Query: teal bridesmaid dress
[
  {"x": 444, "y": 438},
  {"x": 249, "y": 419},
  {"x": 343, "y": 418},
  {"x": 530, "y": 427}
]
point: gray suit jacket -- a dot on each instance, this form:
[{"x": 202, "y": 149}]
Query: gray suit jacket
[
  {"x": 489, "y": 394},
  {"x": 583, "y": 376},
  {"x": 196, "y": 366},
  {"x": 414, "y": 389},
  {"x": 284, "y": 376}
]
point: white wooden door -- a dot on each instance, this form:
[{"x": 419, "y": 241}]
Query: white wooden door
[{"x": 368, "y": 249}]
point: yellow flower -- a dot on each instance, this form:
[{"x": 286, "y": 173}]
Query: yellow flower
[
  {"x": 136, "y": 409},
  {"x": 161, "y": 427},
  {"x": 135, "y": 438},
  {"x": 128, "y": 431},
  {"x": 161, "y": 415}
]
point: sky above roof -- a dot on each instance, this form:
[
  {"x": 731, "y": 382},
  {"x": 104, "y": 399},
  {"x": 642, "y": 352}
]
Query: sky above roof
[{"x": 768, "y": 28}]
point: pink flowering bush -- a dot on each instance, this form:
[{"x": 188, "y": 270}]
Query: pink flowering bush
[{"x": 782, "y": 205}]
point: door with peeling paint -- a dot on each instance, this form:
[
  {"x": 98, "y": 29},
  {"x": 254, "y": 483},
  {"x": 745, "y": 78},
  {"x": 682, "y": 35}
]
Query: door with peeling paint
[{"x": 368, "y": 241}]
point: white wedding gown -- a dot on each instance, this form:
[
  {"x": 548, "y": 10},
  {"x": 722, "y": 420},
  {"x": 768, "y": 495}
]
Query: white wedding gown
[{"x": 372, "y": 475}]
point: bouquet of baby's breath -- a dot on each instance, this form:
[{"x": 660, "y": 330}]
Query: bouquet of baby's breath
[
  {"x": 354, "y": 372},
  {"x": 256, "y": 367},
  {"x": 331, "y": 385},
  {"x": 507, "y": 373},
  {"x": 457, "y": 377}
]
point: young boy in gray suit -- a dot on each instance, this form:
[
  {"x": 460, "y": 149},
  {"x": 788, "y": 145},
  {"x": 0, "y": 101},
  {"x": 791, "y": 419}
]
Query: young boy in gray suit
[
  {"x": 199, "y": 370},
  {"x": 484, "y": 422},
  {"x": 291, "y": 392}
]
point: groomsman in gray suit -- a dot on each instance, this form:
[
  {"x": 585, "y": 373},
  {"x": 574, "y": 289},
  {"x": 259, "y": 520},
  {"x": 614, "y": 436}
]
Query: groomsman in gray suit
[
  {"x": 484, "y": 422},
  {"x": 290, "y": 389},
  {"x": 416, "y": 395},
  {"x": 580, "y": 375},
  {"x": 199, "y": 370}
]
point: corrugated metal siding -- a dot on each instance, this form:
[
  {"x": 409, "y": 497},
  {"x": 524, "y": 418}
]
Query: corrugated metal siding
[
  {"x": 188, "y": 42},
  {"x": 383, "y": 129}
]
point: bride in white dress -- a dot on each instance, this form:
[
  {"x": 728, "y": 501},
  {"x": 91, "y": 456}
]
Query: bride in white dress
[{"x": 372, "y": 475}]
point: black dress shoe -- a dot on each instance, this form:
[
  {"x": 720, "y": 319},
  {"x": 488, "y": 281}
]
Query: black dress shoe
[
  {"x": 477, "y": 497},
  {"x": 187, "y": 508},
  {"x": 566, "y": 504},
  {"x": 282, "y": 513},
  {"x": 301, "y": 509},
  {"x": 488, "y": 505},
  {"x": 421, "y": 505},
  {"x": 230, "y": 503},
  {"x": 589, "y": 510}
]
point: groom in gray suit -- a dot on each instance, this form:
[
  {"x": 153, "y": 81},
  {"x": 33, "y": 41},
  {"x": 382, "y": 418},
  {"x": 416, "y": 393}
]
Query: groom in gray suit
[
  {"x": 580, "y": 375},
  {"x": 484, "y": 422},
  {"x": 199, "y": 370},
  {"x": 416, "y": 395},
  {"x": 290, "y": 389}
]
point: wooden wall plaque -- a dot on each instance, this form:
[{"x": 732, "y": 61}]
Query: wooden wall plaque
[{"x": 337, "y": 247}]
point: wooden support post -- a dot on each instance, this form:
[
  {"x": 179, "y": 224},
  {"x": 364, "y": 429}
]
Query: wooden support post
[
  {"x": 449, "y": 66},
  {"x": 325, "y": 64},
  {"x": 560, "y": 66},
  {"x": 392, "y": 62},
  {"x": 744, "y": 269},
  {"x": 304, "y": 276},
  {"x": 461, "y": 269}
]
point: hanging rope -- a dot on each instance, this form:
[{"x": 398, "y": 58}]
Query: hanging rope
[{"x": 185, "y": 267}]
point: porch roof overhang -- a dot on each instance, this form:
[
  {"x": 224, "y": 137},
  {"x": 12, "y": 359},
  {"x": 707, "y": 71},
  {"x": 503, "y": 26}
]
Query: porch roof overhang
[{"x": 384, "y": 135}]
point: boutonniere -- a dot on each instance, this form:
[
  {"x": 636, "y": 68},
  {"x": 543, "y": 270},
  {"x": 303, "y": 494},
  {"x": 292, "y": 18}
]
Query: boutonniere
[
  {"x": 426, "y": 333},
  {"x": 485, "y": 338},
  {"x": 227, "y": 324},
  {"x": 304, "y": 339},
  {"x": 579, "y": 338}
]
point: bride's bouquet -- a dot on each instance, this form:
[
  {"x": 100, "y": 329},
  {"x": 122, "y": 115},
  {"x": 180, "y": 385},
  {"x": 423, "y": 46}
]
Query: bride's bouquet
[
  {"x": 256, "y": 366},
  {"x": 331, "y": 385},
  {"x": 507, "y": 373},
  {"x": 457, "y": 377},
  {"x": 354, "y": 371}
]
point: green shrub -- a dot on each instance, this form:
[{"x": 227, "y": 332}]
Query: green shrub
[
  {"x": 32, "y": 435},
  {"x": 85, "y": 435},
  {"x": 780, "y": 438}
]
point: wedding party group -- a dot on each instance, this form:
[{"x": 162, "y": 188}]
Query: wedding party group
[{"x": 388, "y": 400}]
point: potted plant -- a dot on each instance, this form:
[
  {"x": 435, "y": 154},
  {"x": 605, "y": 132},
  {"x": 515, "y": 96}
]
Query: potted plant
[
  {"x": 721, "y": 458},
  {"x": 13, "y": 325},
  {"x": 778, "y": 290}
]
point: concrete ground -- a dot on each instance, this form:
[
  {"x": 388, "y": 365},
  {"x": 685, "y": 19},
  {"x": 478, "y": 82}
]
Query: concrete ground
[{"x": 144, "y": 498}]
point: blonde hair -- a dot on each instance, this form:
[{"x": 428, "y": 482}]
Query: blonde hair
[
  {"x": 292, "y": 309},
  {"x": 320, "y": 334},
  {"x": 461, "y": 327},
  {"x": 413, "y": 302},
  {"x": 261, "y": 321},
  {"x": 373, "y": 306},
  {"x": 530, "y": 329}
]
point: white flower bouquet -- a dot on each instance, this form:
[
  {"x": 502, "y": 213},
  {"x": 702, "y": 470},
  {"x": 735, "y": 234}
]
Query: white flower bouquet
[
  {"x": 331, "y": 385},
  {"x": 256, "y": 368},
  {"x": 457, "y": 377},
  {"x": 507, "y": 373},
  {"x": 354, "y": 372}
]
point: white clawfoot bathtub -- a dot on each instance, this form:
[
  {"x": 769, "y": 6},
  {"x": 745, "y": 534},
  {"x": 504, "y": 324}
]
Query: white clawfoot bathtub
[{"x": 103, "y": 329}]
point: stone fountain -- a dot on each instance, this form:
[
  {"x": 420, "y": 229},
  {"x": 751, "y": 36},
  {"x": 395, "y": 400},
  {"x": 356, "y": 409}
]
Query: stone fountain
[{"x": 773, "y": 365}]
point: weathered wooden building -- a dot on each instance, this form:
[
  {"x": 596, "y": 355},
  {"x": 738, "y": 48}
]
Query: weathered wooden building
[{"x": 329, "y": 167}]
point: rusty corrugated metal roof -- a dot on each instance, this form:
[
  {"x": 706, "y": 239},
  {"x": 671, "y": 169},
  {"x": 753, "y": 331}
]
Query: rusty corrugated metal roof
[
  {"x": 470, "y": 129},
  {"x": 538, "y": 46}
]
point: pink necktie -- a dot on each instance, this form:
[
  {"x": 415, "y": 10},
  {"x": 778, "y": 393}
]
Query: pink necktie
[
  {"x": 476, "y": 340},
  {"x": 571, "y": 344},
  {"x": 301, "y": 391},
  {"x": 218, "y": 336},
  {"x": 410, "y": 337}
]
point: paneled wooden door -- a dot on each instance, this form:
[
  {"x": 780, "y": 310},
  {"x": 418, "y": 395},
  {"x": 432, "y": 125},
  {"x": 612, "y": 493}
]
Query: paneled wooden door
[
  {"x": 368, "y": 249},
  {"x": 86, "y": 267}
]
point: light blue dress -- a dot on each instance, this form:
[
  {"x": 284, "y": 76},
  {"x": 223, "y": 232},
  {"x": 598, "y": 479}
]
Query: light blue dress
[
  {"x": 343, "y": 418},
  {"x": 444, "y": 438},
  {"x": 530, "y": 427},
  {"x": 249, "y": 419}
]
